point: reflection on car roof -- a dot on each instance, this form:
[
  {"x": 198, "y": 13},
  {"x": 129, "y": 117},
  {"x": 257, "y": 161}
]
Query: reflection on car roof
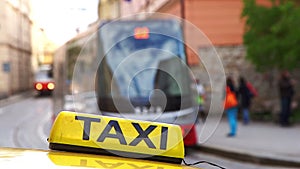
[{"x": 27, "y": 158}]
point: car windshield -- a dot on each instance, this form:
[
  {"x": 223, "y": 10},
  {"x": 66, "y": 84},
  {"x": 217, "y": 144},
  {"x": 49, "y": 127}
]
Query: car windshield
[{"x": 42, "y": 76}]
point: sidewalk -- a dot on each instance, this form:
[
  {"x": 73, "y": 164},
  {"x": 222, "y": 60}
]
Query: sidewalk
[
  {"x": 16, "y": 97},
  {"x": 258, "y": 142}
]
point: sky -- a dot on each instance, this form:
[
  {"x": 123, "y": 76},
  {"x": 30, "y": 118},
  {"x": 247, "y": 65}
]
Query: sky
[{"x": 61, "y": 18}]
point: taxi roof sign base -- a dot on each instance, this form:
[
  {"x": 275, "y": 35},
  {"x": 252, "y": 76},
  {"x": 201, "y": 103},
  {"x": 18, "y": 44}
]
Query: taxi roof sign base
[{"x": 90, "y": 150}]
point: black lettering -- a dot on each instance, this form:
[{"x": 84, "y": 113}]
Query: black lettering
[
  {"x": 86, "y": 125},
  {"x": 164, "y": 138},
  {"x": 108, "y": 165},
  {"x": 119, "y": 134},
  {"x": 137, "y": 167},
  {"x": 143, "y": 135}
]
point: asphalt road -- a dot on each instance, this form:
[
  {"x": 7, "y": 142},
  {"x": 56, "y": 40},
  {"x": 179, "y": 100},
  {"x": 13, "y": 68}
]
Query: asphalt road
[{"x": 26, "y": 124}]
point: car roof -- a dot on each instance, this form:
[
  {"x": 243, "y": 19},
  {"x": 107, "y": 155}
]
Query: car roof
[{"x": 29, "y": 158}]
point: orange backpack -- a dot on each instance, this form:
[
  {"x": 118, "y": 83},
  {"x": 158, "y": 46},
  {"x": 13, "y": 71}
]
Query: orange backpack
[{"x": 230, "y": 99}]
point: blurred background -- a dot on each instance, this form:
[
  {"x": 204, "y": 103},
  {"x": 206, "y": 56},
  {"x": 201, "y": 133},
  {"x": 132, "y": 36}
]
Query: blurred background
[{"x": 256, "y": 40}]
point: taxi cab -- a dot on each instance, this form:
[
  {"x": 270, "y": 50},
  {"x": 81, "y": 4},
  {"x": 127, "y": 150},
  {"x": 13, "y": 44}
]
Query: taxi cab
[{"x": 94, "y": 141}]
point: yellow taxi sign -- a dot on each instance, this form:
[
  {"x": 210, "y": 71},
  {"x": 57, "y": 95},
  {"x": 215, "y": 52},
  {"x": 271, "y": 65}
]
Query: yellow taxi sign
[{"x": 110, "y": 135}]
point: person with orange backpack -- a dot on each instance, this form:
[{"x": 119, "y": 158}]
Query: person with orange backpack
[{"x": 231, "y": 106}]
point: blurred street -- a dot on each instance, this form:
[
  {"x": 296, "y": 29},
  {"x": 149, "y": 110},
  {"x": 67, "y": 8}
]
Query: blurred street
[
  {"x": 26, "y": 123},
  {"x": 158, "y": 60}
]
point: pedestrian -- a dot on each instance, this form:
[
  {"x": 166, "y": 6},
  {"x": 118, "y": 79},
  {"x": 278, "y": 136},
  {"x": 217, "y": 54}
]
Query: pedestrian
[
  {"x": 245, "y": 96},
  {"x": 200, "y": 100},
  {"x": 286, "y": 93},
  {"x": 231, "y": 106}
]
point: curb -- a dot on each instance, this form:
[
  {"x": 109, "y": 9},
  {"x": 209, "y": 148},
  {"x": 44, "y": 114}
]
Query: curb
[
  {"x": 15, "y": 98},
  {"x": 244, "y": 157}
]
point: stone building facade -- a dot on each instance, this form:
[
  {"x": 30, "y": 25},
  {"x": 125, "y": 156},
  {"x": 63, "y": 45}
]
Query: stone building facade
[
  {"x": 108, "y": 9},
  {"x": 15, "y": 47}
]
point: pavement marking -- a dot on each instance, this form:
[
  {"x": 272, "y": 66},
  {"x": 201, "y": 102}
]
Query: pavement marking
[{"x": 1, "y": 111}]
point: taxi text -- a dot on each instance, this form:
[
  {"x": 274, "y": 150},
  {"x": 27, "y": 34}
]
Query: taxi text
[{"x": 143, "y": 134}]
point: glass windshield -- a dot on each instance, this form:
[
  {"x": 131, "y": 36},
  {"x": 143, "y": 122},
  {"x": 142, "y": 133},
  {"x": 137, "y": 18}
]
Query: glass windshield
[
  {"x": 43, "y": 76},
  {"x": 133, "y": 67}
]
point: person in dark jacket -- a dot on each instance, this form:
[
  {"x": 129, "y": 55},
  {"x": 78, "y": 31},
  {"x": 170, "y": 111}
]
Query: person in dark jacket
[
  {"x": 245, "y": 97},
  {"x": 286, "y": 92}
]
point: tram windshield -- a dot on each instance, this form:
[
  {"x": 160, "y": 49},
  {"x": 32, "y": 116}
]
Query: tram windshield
[{"x": 144, "y": 64}]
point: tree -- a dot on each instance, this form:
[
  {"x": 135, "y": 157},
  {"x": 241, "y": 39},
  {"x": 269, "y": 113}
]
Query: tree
[{"x": 272, "y": 35}]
